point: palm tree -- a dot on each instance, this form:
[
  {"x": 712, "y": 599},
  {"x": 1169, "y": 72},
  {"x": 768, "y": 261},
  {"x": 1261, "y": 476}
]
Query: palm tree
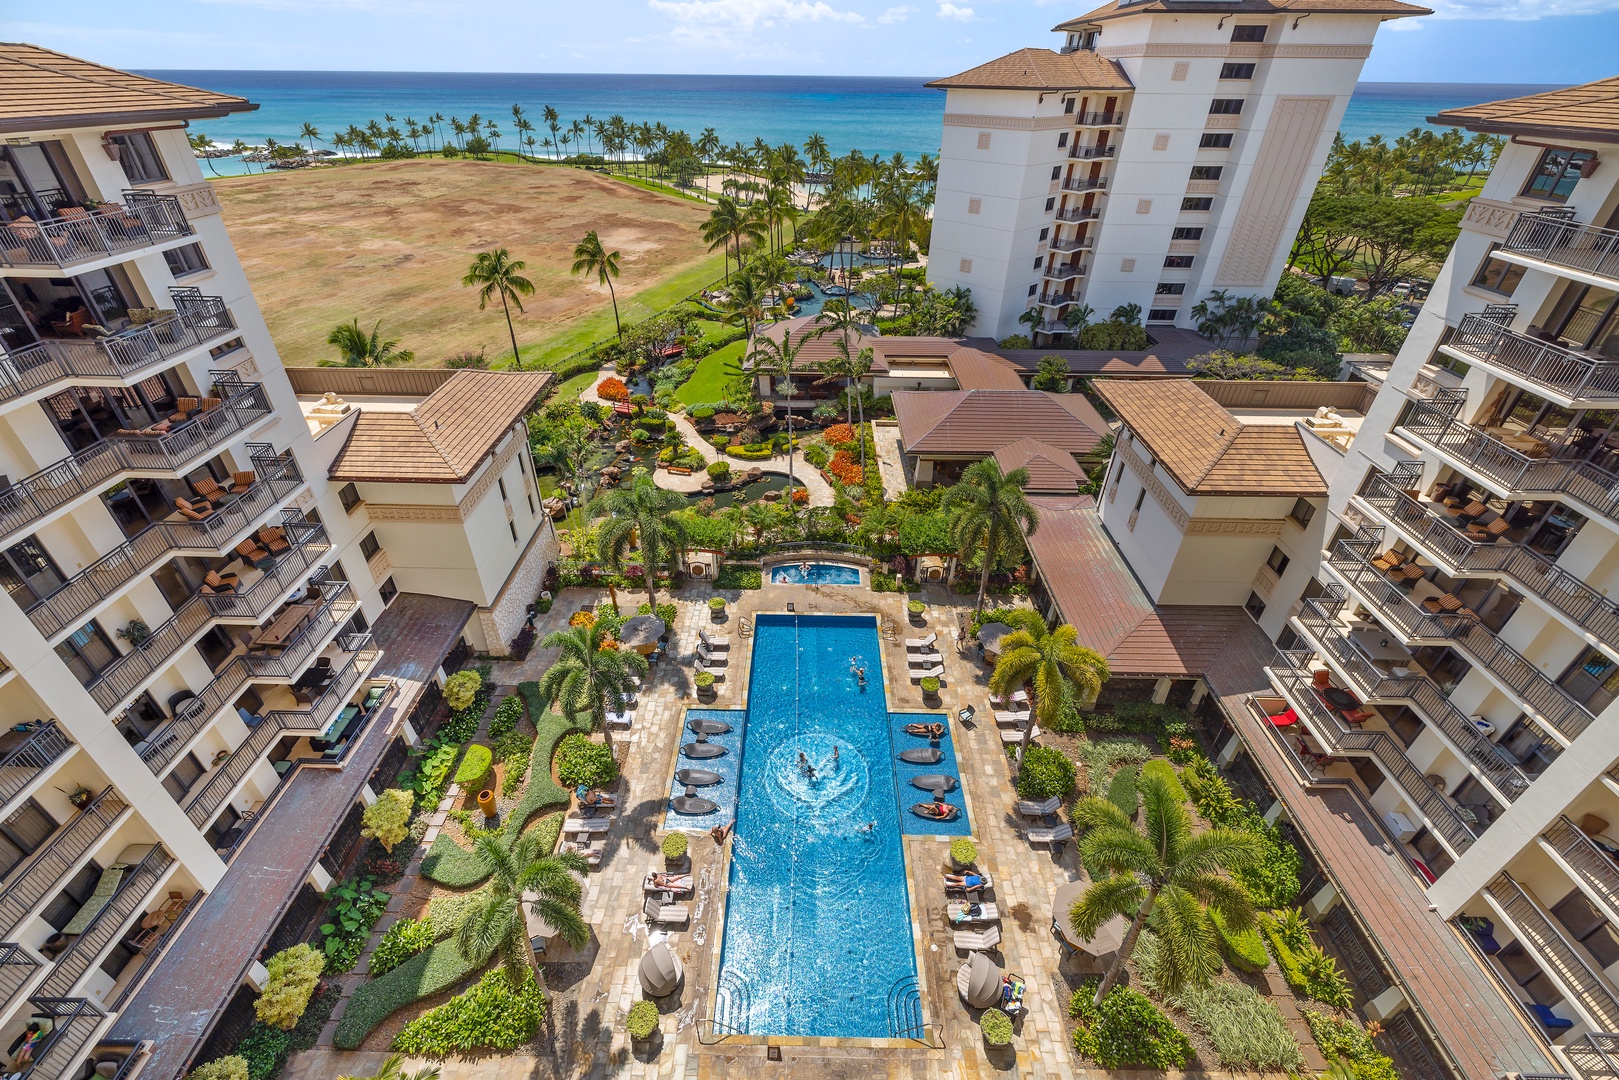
[
  {"x": 729, "y": 223},
  {"x": 639, "y": 515},
  {"x": 518, "y": 867},
  {"x": 359, "y": 349},
  {"x": 1161, "y": 865},
  {"x": 310, "y": 132},
  {"x": 591, "y": 676},
  {"x": 989, "y": 513},
  {"x": 778, "y": 359},
  {"x": 394, "y": 1069},
  {"x": 589, "y": 257},
  {"x": 553, "y": 121},
  {"x": 748, "y": 303},
  {"x": 496, "y": 273},
  {"x": 1054, "y": 665}
]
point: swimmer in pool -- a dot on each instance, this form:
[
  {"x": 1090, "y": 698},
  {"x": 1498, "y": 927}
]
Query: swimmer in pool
[
  {"x": 809, "y": 770},
  {"x": 804, "y": 570},
  {"x": 867, "y": 827},
  {"x": 803, "y": 764},
  {"x": 834, "y": 757}
]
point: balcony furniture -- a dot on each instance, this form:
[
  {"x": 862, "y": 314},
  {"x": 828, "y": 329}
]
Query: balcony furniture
[
  {"x": 1377, "y": 645},
  {"x": 153, "y": 925},
  {"x": 250, "y": 552},
  {"x": 1491, "y": 530},
  {"x": 1428, "y": 876},
  {"x": 1482, "y": 931},
  {"x": 74, "y": 324},
  {"x": 1337, "y": 699},
  {"x": 274, "y": 540},
  {"x": 241, "y": 481},
  {"x": 1448, "y": 602},
  {"x": 283, "y": 626},
  {"x": 209, "y": 489},
  {"x": 217, "y": 584},
  {"x": 1389, "y": 560},
  {"x": 1286, "y": 718},
  {"x": 1548, "y": 1019},
  {"x": 200, "y": 510},
  {"x": 184, "y": 407}
]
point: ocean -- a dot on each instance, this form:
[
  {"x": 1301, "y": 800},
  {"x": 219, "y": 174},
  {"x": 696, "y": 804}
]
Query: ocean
[{"x": 874, "y": 115}]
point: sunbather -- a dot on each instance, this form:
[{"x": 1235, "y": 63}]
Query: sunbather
[
  {"x": 932, "y": 731},
  {"x": 670, "y": 881},
  {"x": 964, "y": 881},
  {"x": 719, "y": 833},
  {"x": 938, "y": 811},
  {"x": 969, "y": 913}
]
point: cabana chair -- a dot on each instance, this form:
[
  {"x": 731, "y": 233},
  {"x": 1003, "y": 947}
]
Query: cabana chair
[
  {"x": 1030, "y": 808},
  {"x": 1052, "y": 835},
  {"x": 921, "y": 644},
  {"x": 657, "y": 911},
  {"x": 978, "y": 941}
]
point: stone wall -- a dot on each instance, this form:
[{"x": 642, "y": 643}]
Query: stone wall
[{"x": 501, "y": 620}]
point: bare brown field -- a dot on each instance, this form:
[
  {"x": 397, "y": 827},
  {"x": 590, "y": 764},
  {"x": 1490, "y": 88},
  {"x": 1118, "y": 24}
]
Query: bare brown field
[{"x": 391, "y": 240}]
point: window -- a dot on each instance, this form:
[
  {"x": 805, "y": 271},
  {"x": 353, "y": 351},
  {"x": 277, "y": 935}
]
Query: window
[
  {"x": 1496, "y": 274},
  {"x": 1187, "y": 232},
  {"x": 369, "y": 546},
  {"x": 1237, "y": 71},
  {"x": 1045, "y": 233},
  {"x": 975, "y": 206},
  {"x": 1303, "y": 510},
  {"x": 532, "y": 511},
  {"x": 1248, "y": 32},
  {"x": 1068, "y": 107},
  {"x": 1197, "y": 203},
  {"x": 1178, "y": 262},
  {"x": 500, "y": 482},
  {"x": 1051, "y": 204},
  {"x": 349, "y": 495},
  {"x": 27, "y": 571},
  {"x": 1225, "y": 106},
  {"x": 22, "y": 833},
  {"x": 1056, "y": 172},
  {"x": 1171, "y": 288},
  {"x": 228, "y": 347},
  {"x": 1062, "y": 140},
  {"x": 1207, "y": 172},
  {"x": 1215, "y": 140},
  {"x": 983, "y": 140},
  {"x": 388, "y": 590},
  {"x": 1141, "y": 497},
  {"x": 1288, "y": 639},
  {"x": 1559, "y": 170},
  {"x": 513, "y": 527},
  {"x": 87, "y": 652},
  {"x": 1254, "y": 606},
  {"x": 1162, "y": 315},
  {"x": 1033, "y": 289},
  {"x": 185, "y": 774},
  {"x": 1278, "y": 561},
  {"x": 185, "y": 260},
  {"x": 139, "y": 157},
  {"x": 1037, "y": 260}
]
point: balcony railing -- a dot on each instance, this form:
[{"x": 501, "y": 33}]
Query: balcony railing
[
  {"x": 278, "y": 477},
  {"x": 143, "y": 219},
  {"x": 1099, "y": 119},
  {"x": 44, "y": 745},
  {"x": 1319, "y": 618},
  {"x": 164, "y": 744},
  {"x": 1079, "y": 213},
  {"x": 1593, "y": 866},
  {"x": 1547, "y": 366},
  {"x": 125, "y": 675},
  {"x": 1548, "y": 702},
  {"x": 92, "y": 942},
  {"x": 17, "y": 966},
  {"x": 1554, "y": 237},
  {"x": 40, "y": 875},
  {"x": 1083, "y": 243},
  {"x": 129, "y": 354},
  {"x": 1087, "y": 183},
  {"x": 1092, "y": 153},
  {"x": 90, "y": 470},
  {"x": 1563, "y": 960},
  {"x": 205, "y": 801},
  {"x": 1063, "y": 273},
  {"x": 1448, "y": 546},
  {"x": 74, "y": 1022}
]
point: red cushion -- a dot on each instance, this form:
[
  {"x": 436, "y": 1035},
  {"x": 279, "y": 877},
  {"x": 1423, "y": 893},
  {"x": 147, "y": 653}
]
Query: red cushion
[{"x": 1286, "y": 717}]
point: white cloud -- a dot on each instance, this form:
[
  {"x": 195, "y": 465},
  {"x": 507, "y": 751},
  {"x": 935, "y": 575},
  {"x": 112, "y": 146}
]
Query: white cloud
[
  {"x": 947, "y": 10},
  {"x": 714, "y": 19},
  {"x": 896, "y": 14},
  {"x": 1517, "y": 10}
]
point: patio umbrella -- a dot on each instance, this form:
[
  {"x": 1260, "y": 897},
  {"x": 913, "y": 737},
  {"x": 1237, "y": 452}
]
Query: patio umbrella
[
  {"x": 641, "y": 630},
  {"x": 991, "y": 633},
  {"x": 660, "y": 971},
  {"x": 1108, "y": 937},
  {"x": 979, "y": 982}
]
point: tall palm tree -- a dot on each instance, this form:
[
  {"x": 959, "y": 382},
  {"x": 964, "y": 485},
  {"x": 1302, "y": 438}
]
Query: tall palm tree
[
  {"x": 989, "y": 513},
  {"x": 1054, "y": 665},
  {"x": 640, "y": 516},
  {"x": 495, "y": 925},
  {"x": 730, "y": 223},
  {"x": 553, "y": 121},
  {"x": 589, "y": 257},
  {"x": 393, "y": 1068},
  {"x": 748, "y": 303},
  {"x": 590, "y": 677},
  {"x": 496, "y": 273},
  {"x": 778, "y": 359},
  {"x": 1161, "y": 865},
  {"x": 360, "y": 349},
  {"x": 310, "y": 132}
]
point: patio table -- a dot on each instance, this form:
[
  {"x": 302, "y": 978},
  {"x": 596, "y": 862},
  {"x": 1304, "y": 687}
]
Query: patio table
[
  {"x": 1379, "y": 645},
  {"x": 285, "y": 625}
]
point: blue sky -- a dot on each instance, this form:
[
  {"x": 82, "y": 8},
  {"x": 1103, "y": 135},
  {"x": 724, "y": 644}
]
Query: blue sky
[{"x": 1516, "y": 41}]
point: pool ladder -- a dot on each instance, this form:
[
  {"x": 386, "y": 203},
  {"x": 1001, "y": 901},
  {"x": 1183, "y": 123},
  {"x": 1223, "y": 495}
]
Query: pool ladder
[
  {"x": 746, "y": 626},
  {"x": 733, "y": 1004},
  {"x": 905, "y": 1010}
]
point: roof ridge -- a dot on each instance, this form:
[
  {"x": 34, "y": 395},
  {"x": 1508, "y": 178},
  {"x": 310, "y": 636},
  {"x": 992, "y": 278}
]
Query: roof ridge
[{"x": 155, "y": 86}]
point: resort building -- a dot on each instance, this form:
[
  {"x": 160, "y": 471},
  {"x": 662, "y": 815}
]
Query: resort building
[
  {"x": 1167, "y": 150},
  {"x": 227, "y": 593}
]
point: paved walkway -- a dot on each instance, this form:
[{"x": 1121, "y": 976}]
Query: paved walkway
[{"x": 890, "y": 461}]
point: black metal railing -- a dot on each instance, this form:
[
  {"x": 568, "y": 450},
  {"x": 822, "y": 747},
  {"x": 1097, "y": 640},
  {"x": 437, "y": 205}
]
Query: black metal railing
[
  {"x": 1595, "y": 1056},
  {"x": 1087, "y": 183},
  {"x": 87, "y": 948},
  {"x": 1537, "y": 931},
  {"x": 41, "y": 873},
  {"x": 1083, "y": 243},
  {"x": 141, "y": 220},
  {"x": 74, "y": 1022},
  {"x": 17, "y": 966},
  {"x": 1099, "y": 119},
  {"x": 1092, "y": 153},
  {"x": 1548, "y": 366},
  {"x": 1079, "y": 213},
  {"x": 1064, "y": 272},
  {"x": 1555, "y": 237},
  {"x": 1590, "y": 863},
  {"x": 39, "y": 751}
]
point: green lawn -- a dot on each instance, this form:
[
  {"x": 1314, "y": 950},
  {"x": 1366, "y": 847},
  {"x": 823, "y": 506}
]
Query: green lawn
[
  {"x": 572, "y": 388},
  {"x": 714, "y": 372}
]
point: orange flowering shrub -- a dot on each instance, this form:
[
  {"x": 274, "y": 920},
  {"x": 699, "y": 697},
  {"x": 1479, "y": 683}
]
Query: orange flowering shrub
[
  {"x": 611, "y": 389},
  {"x": 839, "y": 434},
  {"x": 800, "y": 496},
  {"x": 845, "y": 469},
  {"x": 582, "y": 618},
  {"x": 608, "y": 645}
]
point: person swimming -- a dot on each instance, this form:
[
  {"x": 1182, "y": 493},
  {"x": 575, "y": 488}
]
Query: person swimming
[
  {"x": 834, "y": 756},
  {"x": 804, "y": 570},
  {"x": 803, "y": 764},
  {"x": 867, "y": 827}
]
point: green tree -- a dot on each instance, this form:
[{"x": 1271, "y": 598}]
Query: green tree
[
  {"x": 589, "y": 257},
  {"x": 520, "y": 872},
  {"x": 1396, "y": 234},
  {"x": 640, "y": 516},
  {"x": 1159, "y": 866},
  {"x": 729, "y": 225},
  {"x": 588, "y": 680},
  {"x": 310, "y": 132},
  {"x": 747, "y": 304},
  {"x": 1054, "y": 666},
  {"x": 778, "y": 359},
  {"x": 1051, "y": 374},
  {"x": 496, "y": 273},
  {"x": 359, "y": 349},
  {"x": 989, "y": 513}
]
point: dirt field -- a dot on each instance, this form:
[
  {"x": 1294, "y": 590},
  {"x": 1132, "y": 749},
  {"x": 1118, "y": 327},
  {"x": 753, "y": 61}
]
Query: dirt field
[{"x": 391, "y": 241}]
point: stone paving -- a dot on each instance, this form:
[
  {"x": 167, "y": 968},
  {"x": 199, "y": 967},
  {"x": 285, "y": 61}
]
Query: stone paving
[{"x": 890, "y": 461}]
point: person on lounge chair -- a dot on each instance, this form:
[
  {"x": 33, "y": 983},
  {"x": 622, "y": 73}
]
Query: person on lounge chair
[
  {"x": 939, "y": 811},
  {"x": 932, "y": 731},
  {"x": 964, "y": 881},
  {"x": 671, "y": 881}
]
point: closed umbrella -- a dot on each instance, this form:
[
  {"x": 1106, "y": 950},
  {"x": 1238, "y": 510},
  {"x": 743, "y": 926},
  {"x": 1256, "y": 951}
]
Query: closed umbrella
[
  {"x": 660, "y": 971},
  {"x": 979, "y": 982},
  {"x": 642, "y": 631},
  {"x": 991, "y": 633}
]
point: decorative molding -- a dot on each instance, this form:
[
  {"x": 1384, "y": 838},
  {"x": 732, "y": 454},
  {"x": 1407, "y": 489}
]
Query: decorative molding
[
  {"x": 1202, "y": 187},
  {"x": 1160, "y": 141},
  {"x": 245, "y": 367},
  {"x": 1161, "y": 495},
  {"x": 410, "y": 512},
  {"x": 1278, "y": 174},
  {"x": 1233, "y": 51},
  {"x": 198, "y": 200},
  {"x": 1265, "y": 581},
  {"x": 1184, "y": 247},
  {"x": 481, "y": 486},
  {"x": 304, "y": 499},
  {"x": 381, "y": 566},
  {"x": 1489, "y": 217},
  {"x": 1222, "y": 122},
  {"x": 1235, "y": 527},
  {"x": 1009, "y": 123}
]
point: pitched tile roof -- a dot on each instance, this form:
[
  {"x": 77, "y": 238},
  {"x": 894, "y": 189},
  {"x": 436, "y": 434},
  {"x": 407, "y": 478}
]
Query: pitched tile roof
[
  {"x": 1051, "y": 469},
  {"x": 1207, "y": 449},
  {"x": 979, "y": 422},
  {"x": 977, "y": 370},
  {"x": 1171, "y": 348},
  {"x": 444, "y": 439},
  {"x": 40, "y": 88},
  {"x": 1040, "y": 69},
  {"x": 1389, "y": 9},
  {"x": 1587, "y": 111}
]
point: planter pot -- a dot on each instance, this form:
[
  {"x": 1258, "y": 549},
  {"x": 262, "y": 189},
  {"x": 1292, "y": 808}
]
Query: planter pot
[
  {"x": 930, "y": 700},
  {"x": 957, "y": 864},
  {"x": 716, "y": 615},
  {"x": 919, "y": 618},
  {"x": 707, "y": 694},
  {"x": 996, "y": 1048}
]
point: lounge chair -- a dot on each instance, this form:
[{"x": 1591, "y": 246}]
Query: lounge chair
[
  {"x": 957, "y": 912},
  {"x": 716, "y": 670},
  {"x": 183, "y": 408},
  {"x": 1006, "y": 719},
  {"x": 250, "y": 552},
  {"x": 659, "y": 912},
  {"x": 681, "y": 884},
  {"x": 1548, "y": 1019},
  {"x": 591, "y": 852},
  {"x": 201, "y": 510},
  {"x": 717, "y": 643},
  {"x": 1051, "y": 836},
  {"x": 106, "y": 888},
  {"x": 919, "y": 644},
  {"x": 1019, "y": 697},
  {"x": 934, "y": 672},
  {"x": 209, "y": 489},
  {"x": 241, "y": 481},
  {"x": 985, "y": 882},
  {"x": 926, "y": 659},
  {"x": 719, "y": 658},
  {"x": 1010, "y": 735},
  {"x": 1030, "y": 808},
  {"x": 585, "y": 825},
  {"x": 978, "y": 940},
  {"x": 273, "y": 539},
  {"x": 620, "y": 719},
  {"x": 217, "y": 584}
]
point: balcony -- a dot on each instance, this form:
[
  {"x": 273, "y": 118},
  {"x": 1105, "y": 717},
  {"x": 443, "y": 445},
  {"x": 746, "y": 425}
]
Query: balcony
[
  {"x": 1079, "y": 213},
  {"x": 1575, "y": 973},
  {"x": 125, "y": 356},
  {"x": 1063, "y": 273},
  {"x": 1099, "y": 119},
  {"x": 1092, "y": 153},
  {"x": 143, "y": 220},
  {"x": 1088, "y": 183},
  {"x": 35, "y": 752},
  {"x": 1083, "y": 243},
  {"x": 1554, "y": 239},
  {"x": 1575, "y": 379},
  {"x": 17, "y": 966},
  {"x": 176, "y": 450},
  {"x": 40, "y": 875},
  {"x": 75, "y": 1022},
  {"x": 1588, "y": 864},
  {"x": 1447, "y": 545},
  {"x": 91, "y": 944},
  {"x": 1548, "y": 703}
]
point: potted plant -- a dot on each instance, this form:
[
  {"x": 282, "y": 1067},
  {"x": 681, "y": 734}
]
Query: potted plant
[
  {"x": 80, "y": 797},
  {"x": 997, "y": 1028},
  {"x": 917, "y": 610},
  {"x": 136, "y": 632},
  {"x": 963, "y": 852},
  {"x": 705, "y": 685},
  {"x": 930, "y": 689},
  {"x": 641, "y": 1021},
  {"x": 674, "y": 848},
  {"x": 716, "y": 608}
]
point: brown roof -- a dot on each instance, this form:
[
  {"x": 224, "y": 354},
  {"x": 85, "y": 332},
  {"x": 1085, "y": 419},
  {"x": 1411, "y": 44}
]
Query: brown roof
[
  {"x": 1172, "y": 347},
  {"x": 977, "y": 370},
  {"x": 1205, "y": 448},
  {"x": 1389, "y": 9},
  {"x": 814, "y": 351},
  {"x": 444, "y": 439},
  {"x": 1052, "y": 471},
  {"x": 979, "y": 422},
  {"x": 1589, "y": 111},
  {"x": 1040, "y": 69},
  {"x": 40, "y": 88}
]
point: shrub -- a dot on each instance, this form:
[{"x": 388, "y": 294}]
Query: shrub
[
  {"x": 930, "y": 686},
  {"x": 387, "y": 821},
  {"x": 401, "y": 941},
  {"x": 1046, "y": 774},
  {"x": 1165, "y": 773},
  {"x": 1342, "y": 1038},
  {"x": 996, "y": 1026},
  {"x": 446, "y": 913},
  {"x": 1123, "y": 791},
  {"x": 294, "y": 974},
  {"x": 264, "y": 1049},
  {"x": 1016, "y": 341},
  {"x": 839, "y": 435},
  {"x": 915, "y": 607},
  {"x": 423, "y": 975},
  {"x": 1126, "y": 1030},
  {"x": 718, "y": 469},
  {"x": 817, "y": 455},
  {"x": 716, "y": 603},
  {"x": 963, "y": 851},
  {"x": 549, "y": 830},
  {"x": 642, "y": 1020},
  {"x": 225, "y": 1068},
  {"x": 1246, "y": 1030},
  {"x": 755, "y": 452},
  {"x": 845, "y": 469},
  {"x": 611, "y": 389},
  {"x": 507, "y": 716},
  {"x": 704, "y": 679},
  {"x": 432, "y": 772},
  {"x": 461, "y": 688},
  {"x": 475, "y": 766},
  {"x": 701, "y": 412},
  {"x": 491, "y": 1015},
  {"x": 580, "y": 761},
  {"x": 1245, "y": 950},
  {"x": 357, "y": 907},
  {"x": 739, "y": 577},
  {"x": 674, "y": 846}
]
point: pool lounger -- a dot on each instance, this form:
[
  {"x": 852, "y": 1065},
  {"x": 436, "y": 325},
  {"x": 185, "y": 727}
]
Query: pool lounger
[
  {"x": 713, "y": 655},
  {"x": 717, "y": 672},
  {"x": 1005, "y": 718},
  {"x": 702, "y": 750},
  {"x": 928, "y": 659},
  {"x": 698, "y": 777},
  {"x": 1029, "y": 808},
  {"x": 1051, "y": 836},
  {"x": 920, "y": 810},
  {"x": 934, "y": 781},
  {"x": 693, "y": 804},
  {"x": 934, "y": 672},
  {"x": 659, "y": 912},
  {"x": 719, "y": 642},
  {"x": 620, "y": 719},
  {"x": 1019, "y": 698},
  {"x": 921, "y": 644},
  {"x": 709, "y": 727},
  {"x": 986, "y": 882},
  {"x": 959, "y": 911},
  {"x": 922, "y": 755},
  {"x": 681, "y": 884},
  {"x": 978, "y": 940},
  {"x": 591, "y": 852},
  {"x": 586, "y": 825},
  {"x": 1010, "y": 735}
]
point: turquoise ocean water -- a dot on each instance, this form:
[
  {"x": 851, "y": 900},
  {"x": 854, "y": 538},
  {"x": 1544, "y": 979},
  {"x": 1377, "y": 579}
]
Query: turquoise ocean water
[{"x": 874, "y": 115}]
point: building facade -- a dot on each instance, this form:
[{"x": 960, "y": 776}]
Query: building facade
[{"x": 1168, "y": 150}]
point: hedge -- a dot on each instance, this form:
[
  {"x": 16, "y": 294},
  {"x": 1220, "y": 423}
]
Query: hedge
[
  {"x": 423, "y": 975},
  {"x": 475, "y": 765},
  {"x": 1244, "y": 951}
]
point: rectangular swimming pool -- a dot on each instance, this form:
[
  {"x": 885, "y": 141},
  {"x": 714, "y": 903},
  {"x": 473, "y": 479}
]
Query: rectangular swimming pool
[{"x": 817, "y": 919}]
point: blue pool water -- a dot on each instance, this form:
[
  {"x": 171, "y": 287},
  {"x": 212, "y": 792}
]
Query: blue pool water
[
  {"x": 909, "y": 794},
  {"x": 817, "y": 918},
  {"x": 728, "y": 765},
  {"x": 817, "y": 573}
]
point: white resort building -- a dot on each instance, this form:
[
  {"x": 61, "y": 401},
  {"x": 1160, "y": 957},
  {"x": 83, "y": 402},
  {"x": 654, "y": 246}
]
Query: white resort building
[{"x": 1169, "y": 149}]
